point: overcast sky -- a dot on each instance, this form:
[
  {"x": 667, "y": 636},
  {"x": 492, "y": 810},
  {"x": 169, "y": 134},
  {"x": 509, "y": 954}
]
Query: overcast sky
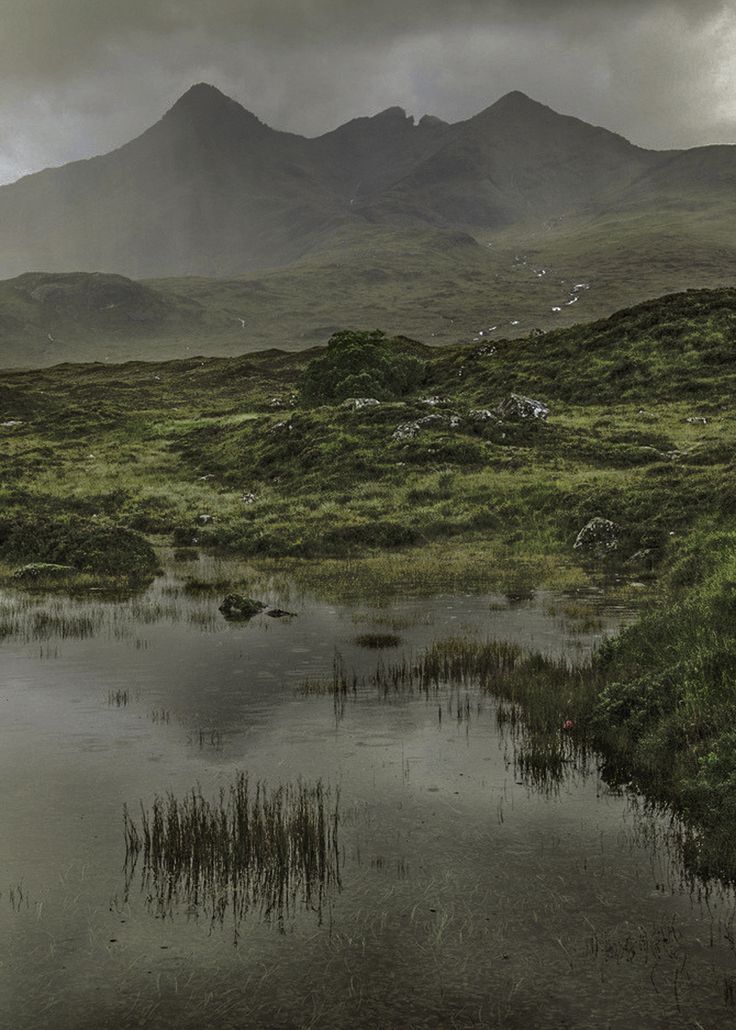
[{"x": 80, "y": 77}]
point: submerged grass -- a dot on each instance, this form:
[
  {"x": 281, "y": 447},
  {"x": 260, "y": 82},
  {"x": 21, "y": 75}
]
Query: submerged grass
[{"x": 252, "y": 849}]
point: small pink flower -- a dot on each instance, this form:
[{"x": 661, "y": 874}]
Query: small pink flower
[{"x": 568, "y": 724}]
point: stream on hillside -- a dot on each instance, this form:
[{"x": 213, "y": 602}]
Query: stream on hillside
[{"x": 462, "y": 896}]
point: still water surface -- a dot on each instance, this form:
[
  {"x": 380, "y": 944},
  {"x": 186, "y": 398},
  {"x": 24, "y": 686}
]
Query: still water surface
[{"x": 467, "y": 897}]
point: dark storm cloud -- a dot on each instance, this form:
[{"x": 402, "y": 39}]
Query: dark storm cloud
[{"x": 80, "y": 76}]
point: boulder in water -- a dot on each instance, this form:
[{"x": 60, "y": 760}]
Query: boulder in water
[{"x": 238, "y": 607}]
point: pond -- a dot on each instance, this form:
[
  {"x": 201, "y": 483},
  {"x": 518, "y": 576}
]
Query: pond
[{"x": 456, "y": 893}]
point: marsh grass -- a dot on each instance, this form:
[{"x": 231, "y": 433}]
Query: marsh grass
[
  {"x": 253, "y": 849},
  {"x": 26, "y": 622}
]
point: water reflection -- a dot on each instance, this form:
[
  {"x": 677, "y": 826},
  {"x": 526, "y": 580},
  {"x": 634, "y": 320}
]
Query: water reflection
[{"x": 472, "y": 894}]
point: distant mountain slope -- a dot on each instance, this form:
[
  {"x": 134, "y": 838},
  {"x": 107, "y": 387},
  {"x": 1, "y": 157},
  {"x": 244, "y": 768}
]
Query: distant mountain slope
[
  {"x": 516, "y": 161},
  {"x": 211, "y": 190}
]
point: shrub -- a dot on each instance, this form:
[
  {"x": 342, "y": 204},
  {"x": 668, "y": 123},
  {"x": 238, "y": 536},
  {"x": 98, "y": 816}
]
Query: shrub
[{"x": 361, "y": 364}]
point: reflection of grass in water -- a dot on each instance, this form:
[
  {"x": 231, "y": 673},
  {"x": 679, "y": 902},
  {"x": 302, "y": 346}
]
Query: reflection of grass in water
[
  {"x": 250, "y": 850},
  {"x": 545, "y": 704},
  {"x": 377, "y": 641}
]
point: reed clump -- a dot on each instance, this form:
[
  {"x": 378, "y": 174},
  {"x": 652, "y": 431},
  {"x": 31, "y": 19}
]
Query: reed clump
[
  {"x": 544, "y": 704},
  {"x": 251, "y": 849}
]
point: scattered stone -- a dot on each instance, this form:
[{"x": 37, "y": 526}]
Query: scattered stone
[
  {"x": 697, "y": 420},
  {"x": 280, "y": 427},
  {"x": 276, "y": 402},
  {"x": 279, "y": 613},
  {"x": 487, "y": 352},
  {"x": 43, "y": 570},
  {"x": 249, "y": 498},
  {"x": 599, "y": 536},
  {"x": 238, "y": 607},
  {"x": 11, "y": 423},
  {"x": 408, "y": 430},
  {"x": 482, "y": 415},
  {"x": 207, "y": 478},
  {"x": 358, "y": 403},
  {"x": 434, "y": 402},
  {"x": 204, "y": 520},
  {"x": 517, "y": 407}
]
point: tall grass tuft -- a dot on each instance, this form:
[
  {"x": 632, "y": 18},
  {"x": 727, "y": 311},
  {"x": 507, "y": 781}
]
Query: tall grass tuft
[{"x": 252, "y": 849}]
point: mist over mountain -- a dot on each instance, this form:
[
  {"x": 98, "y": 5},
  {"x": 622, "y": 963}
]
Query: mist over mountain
[{"x": 211, "y": 190}]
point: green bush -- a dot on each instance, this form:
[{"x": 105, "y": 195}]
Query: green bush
[{"x": 361, "y": 364}]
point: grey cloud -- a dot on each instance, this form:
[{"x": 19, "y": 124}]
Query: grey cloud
[{"x": 81, "y": 76}]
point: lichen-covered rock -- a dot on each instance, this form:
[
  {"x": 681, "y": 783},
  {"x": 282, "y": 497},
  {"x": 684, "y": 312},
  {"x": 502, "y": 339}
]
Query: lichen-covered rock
[
  {"x": 239, "y": 607},
  {"x": 598, "y": 537},
  {"x": 518, "y": 408},
  {"x": 359, "y": 403}
]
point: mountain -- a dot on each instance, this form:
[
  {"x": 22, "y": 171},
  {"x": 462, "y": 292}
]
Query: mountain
[
  {"x": 249, "y": 236},
  {"x": 211, "y": 190}
]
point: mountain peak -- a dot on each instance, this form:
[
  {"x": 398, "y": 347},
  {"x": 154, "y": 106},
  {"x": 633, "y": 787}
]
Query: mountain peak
[
  {"x": 203, "y": 102},
  {"x": 516, "y": 101},
  {"x": 202, "y": 94},
  {"x": 393, "y": 114}
]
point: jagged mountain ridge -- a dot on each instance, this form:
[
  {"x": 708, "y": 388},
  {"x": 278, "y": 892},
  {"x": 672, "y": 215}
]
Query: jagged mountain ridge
[{"x": 211, "y": 190}]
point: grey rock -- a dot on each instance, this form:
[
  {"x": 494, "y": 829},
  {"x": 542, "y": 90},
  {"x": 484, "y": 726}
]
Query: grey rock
[
  {"x": 482, "y": 415},
  {"x": 359, "y": 403},
  {"x": 518, "y": 408},
  {"x": 408, "y": 430},
  {"x": 598, "y": 537},
  {"x": 238, "y": 607}
]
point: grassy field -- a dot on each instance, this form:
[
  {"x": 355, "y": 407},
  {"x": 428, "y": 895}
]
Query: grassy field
[{"x": 260, "y": 457}]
